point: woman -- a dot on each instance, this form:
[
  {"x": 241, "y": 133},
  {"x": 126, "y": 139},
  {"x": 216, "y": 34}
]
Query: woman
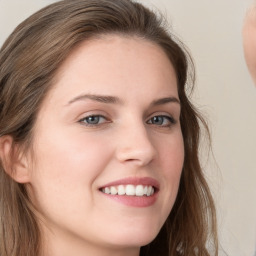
[{"x": 99, "y": 142}]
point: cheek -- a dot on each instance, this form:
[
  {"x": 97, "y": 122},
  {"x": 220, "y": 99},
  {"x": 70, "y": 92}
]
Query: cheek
[
  {"x": 172, "y": 159},
  {"x": 172, "y": 155},
  {"x": 66, "y": 165}
]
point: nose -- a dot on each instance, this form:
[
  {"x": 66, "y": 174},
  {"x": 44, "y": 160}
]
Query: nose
[{"x": 135, "y": 146}]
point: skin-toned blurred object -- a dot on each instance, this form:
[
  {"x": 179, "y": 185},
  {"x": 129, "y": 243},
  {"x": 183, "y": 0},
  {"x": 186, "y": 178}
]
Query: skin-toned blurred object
[{"x": 249, "y": 41}]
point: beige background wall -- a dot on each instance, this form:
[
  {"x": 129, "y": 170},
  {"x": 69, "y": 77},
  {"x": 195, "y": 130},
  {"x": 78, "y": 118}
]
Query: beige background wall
[{"x": 225, "y": 94}]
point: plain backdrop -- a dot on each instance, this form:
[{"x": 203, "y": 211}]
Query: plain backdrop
[{"x": 224, "y": 93}]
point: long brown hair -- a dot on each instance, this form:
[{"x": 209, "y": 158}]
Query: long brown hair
[{"x": 29, "y": 60}]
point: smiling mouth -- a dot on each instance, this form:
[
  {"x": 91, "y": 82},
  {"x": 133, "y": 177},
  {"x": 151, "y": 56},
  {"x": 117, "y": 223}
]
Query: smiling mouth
[{"x": 130, "y": 190}]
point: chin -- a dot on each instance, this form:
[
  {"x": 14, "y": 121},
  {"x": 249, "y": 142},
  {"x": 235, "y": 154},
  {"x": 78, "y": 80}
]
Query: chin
[{"x": 136, "y": 237}]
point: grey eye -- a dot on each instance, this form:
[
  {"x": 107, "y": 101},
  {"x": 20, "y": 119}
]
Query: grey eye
[
  {"x": 158, "y": 120},
  {"x": 93, "y": 120},
  {"x": 161, "y": 120}
]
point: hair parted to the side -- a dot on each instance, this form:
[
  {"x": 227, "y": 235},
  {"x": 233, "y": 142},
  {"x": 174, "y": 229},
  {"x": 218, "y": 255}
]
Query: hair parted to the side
[{"x": 29, "y": 60}]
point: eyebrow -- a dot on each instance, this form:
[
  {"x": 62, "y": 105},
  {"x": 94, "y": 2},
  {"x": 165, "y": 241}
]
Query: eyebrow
[
  {"x": 94, "y": 97},
  {"x": 165, "y": 100},
  {"x": 115, "y": 100}
]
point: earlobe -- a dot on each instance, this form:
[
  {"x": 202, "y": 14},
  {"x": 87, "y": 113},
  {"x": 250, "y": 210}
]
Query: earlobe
[{"x": 15, "y": 163}]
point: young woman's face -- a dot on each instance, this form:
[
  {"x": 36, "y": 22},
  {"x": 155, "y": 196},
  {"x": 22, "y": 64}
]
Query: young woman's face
[{"x": 108, "y": 148}]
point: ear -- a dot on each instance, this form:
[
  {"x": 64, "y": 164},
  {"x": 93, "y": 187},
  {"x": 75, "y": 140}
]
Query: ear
[{"x": 15, "y": 163}]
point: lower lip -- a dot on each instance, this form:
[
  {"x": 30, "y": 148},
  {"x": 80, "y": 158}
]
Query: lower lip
[{"x": 134, "y": 201}]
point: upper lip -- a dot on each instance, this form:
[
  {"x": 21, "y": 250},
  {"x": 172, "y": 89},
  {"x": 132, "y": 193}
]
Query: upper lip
[{"x": 146, "y": 181}]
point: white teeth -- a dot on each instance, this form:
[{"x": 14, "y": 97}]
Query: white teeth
[
  {"x": 121, "y": 190},
  {"x": 139, "y": 190},
  {"x": 113, "y": 191},
  {"x": 107, "y": 191},
  {"x": 145, "y": 190},
  {"x": 129, "y": 190},
  {"x": 149, "y": 191}
]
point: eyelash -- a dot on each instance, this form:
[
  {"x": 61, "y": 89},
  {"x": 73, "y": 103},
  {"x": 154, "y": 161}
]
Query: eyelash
[{"x": 97, "y": 120}]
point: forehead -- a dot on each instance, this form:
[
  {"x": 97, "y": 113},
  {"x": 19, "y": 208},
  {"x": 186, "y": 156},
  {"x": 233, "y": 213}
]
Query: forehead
[
  {"x": 112, "y": 58},
  {"x": 116, "y": 45}
]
